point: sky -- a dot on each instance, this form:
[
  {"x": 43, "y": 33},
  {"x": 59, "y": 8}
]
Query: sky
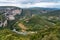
[{"x": 31, "y": 3}]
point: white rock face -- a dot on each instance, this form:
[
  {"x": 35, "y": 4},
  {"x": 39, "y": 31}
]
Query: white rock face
[
  {"x": 5, "y": 23},
  {"x": 16, "y": 12},
  {"x": 11, "y": 17}
]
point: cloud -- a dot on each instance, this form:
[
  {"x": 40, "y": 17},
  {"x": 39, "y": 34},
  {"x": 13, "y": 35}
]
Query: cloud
[
  {"x": 27, "y": 1},
  {"x": 43, "y": 4},
  {"x": 31, "y": 3}
]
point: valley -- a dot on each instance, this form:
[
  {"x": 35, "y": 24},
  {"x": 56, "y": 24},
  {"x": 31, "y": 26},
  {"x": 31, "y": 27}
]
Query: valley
[{"x": 29, "y": 24}]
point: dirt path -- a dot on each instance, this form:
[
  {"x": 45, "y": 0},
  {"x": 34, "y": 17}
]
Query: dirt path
[{"x": 22, "y": 27}]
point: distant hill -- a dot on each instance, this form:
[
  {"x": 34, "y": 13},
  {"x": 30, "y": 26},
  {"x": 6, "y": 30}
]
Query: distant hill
[
  {"x": 4, "y": 7},
  {"x": 42, "y": 8},
  {"x": 37, "y": 10},
  {"x": 53, "y": 13},
  {"x": 33, "y": 10}
]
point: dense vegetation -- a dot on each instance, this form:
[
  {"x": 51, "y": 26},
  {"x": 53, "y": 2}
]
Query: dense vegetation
[
  {"x": 2, "y": 17},
  {"x": 47, "y": 27},
  {"x": 7, "y": 34},
  {"x": 46, "y": 30}
]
